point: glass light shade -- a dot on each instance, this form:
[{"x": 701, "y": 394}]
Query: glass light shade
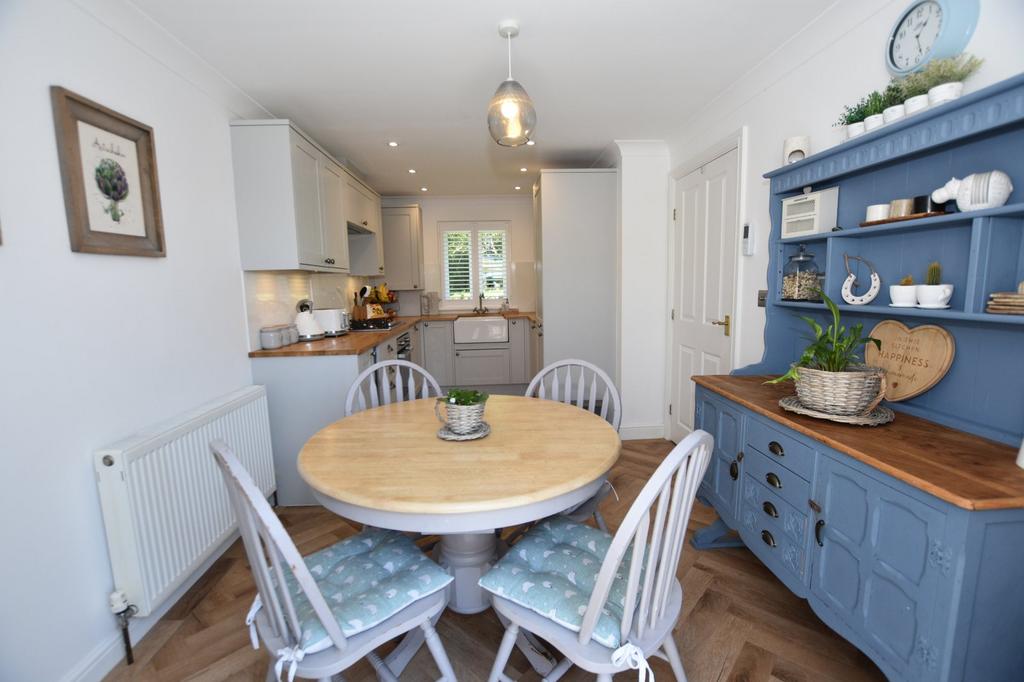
[{"x": 511, "y": 117}]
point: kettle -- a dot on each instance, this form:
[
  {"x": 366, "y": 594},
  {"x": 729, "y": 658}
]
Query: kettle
[{"x": 309, "y": 328}]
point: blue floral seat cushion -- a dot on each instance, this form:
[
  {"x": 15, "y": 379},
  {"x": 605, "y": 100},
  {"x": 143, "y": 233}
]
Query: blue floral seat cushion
[
  {"x": 552, "y": 571},
  {"x": 365, "y": 579}
]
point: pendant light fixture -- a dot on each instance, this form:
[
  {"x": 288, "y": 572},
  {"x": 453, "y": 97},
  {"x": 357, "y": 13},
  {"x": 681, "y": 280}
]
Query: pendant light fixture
[{"x": 511, "y": 117}]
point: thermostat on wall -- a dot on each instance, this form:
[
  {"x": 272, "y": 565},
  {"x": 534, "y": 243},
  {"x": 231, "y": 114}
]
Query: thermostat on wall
[{"x": 748, "y": 240}]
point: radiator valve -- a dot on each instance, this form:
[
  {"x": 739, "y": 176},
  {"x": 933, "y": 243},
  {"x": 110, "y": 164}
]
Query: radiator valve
[{"x": 120, "y": 607}]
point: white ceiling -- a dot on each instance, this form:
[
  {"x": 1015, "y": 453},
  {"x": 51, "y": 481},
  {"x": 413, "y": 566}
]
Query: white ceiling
[{"x": 357, "y": 74}]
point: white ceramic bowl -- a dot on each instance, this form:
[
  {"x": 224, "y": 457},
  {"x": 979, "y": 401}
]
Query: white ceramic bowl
[{"x": 876, "y": 212}]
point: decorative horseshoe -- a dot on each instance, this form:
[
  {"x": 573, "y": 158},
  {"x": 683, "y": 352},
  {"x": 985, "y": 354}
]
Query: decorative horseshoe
[{"x": 849, "y": 294}]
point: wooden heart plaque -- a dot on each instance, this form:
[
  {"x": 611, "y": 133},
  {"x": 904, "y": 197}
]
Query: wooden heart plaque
[{"x": 914, "y": 360}]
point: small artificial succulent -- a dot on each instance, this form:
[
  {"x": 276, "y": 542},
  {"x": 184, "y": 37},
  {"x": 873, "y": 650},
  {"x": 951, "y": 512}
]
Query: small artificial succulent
[{"x": 934, "y": 275}]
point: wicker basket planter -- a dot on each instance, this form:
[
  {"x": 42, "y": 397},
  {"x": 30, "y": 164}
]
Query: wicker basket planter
[
  {"x": 460, "y": 419},
  {"x": 854, "y": 392}
]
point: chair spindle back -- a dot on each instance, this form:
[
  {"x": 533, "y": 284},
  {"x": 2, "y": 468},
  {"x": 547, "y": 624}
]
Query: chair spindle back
[
  {"x": 375, "y": 386},
  {"x": 579, "y": 383}
]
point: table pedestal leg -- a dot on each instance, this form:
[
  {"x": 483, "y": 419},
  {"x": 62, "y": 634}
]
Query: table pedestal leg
[{"x": 467, "y": 557}]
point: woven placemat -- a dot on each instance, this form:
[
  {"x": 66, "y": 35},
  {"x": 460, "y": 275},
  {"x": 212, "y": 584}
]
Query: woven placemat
[
  {"x": 878, "y": 416},
  {"x": 444, "y": 433}
]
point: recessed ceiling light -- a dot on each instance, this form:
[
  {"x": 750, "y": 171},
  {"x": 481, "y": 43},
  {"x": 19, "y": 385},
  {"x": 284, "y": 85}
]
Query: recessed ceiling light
[
  {"x": 423, "y": 189},
  {"x": 530, "y": 143},
  {"x": 518, "y": 188},
  {"x": 392, "y": 143},
  {"x": 412, "y": 170},
  {"x": 522, "y": 170}
]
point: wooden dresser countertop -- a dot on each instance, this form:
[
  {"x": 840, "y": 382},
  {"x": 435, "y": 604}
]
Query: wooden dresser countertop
[
  {"x": 963, "y": 469},
  {"x": 355, "y": 343}
]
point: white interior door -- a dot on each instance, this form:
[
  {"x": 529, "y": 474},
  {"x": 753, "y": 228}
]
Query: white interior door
[{"x": 704, "y": 280}]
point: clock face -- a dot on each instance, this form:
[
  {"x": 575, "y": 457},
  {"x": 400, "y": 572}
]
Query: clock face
[{"x": 915, "y": 36}]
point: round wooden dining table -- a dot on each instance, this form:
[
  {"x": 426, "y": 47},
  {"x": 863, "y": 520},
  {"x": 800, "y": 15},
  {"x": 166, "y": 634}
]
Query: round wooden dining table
[{"x": 386, "y": 467}]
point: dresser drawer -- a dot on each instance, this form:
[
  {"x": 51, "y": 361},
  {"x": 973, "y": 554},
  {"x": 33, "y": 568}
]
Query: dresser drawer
[
  {"x": 769, "y": 542},
  {"x": 780, "y": 480},
  {"x": 759, "y": 497},
  {"x": 784, "y": 449}
]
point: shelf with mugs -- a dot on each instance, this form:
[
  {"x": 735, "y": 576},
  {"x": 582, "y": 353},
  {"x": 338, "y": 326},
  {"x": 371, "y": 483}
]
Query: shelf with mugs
[
  {"x": 884, "y": 310},
  {"x": 904, "y": 226}
]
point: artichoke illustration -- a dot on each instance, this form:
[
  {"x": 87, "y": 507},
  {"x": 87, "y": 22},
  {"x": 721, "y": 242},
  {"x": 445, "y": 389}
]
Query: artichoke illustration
[{"x": 113, "y": 183}]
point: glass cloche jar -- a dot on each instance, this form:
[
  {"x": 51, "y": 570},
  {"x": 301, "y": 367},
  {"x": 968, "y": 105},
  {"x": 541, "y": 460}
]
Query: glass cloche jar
[{"x": 800, "y": 277}]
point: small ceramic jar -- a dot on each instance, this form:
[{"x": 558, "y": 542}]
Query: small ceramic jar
[
  {"x": 946, "y": 92},
  {"x": 894, "y": 113},
  {"x": 271, "y": 338},
  {"x": 293, "y": 334},
  {"x": 915, "y": 104},
  {"x": 854, "y": 130},
  {"x": 873, "y": 122}
]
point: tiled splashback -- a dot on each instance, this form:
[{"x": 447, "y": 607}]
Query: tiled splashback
[{"x": 270, "y": 296}]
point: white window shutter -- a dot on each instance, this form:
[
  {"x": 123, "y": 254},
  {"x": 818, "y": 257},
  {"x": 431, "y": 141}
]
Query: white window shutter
[
  {"x": 492, "y": 263},
  {"x": 458, "y": 275}
]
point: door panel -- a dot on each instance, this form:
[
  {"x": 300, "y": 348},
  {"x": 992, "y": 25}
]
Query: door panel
[
  {"x": 481, "y": 367},
  {"x": 872, "y": 568},
  {"x": 703, "y": 283},
  {"x": 306, "y": 190},
  {"x": 722, "y": 481},
  {"x": 335, "y": 229}
]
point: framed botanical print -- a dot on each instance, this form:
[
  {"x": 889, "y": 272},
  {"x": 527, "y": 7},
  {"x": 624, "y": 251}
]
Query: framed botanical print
[{"x": 108, "y": 168}]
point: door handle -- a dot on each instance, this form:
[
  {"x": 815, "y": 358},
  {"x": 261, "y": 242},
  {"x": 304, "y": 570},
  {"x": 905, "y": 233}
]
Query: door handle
[
  {"x": 768, "y": 538},
  {"x": 770, "y": 509},
  {"x": 773, "y": 480},
  {"x": 725, "y": 322},
  {"x": 734, "y": 470},
  {"x": 818, "y": 528},
  {"x": 776, "y": 449}
]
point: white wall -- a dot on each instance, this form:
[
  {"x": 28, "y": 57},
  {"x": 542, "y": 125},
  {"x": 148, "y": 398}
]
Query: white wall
[
  {"x": 518, "y": 210},
  {"x": 95, "y": 347},
  {"x": 801, "y": 90}
]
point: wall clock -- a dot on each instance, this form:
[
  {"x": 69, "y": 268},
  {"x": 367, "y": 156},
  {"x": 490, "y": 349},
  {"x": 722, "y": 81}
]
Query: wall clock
[
  {"x": 849, "y": 286},
  {"x": 930, "y": 29}
]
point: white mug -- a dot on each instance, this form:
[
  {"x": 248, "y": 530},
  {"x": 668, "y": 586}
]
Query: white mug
[{"x": 934, "y": 295}]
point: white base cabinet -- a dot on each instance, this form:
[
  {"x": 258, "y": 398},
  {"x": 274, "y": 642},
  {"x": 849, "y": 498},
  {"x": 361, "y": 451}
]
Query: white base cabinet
[
  {"x": 439, "y": 351},
  {"x": 482, "y": 366}
]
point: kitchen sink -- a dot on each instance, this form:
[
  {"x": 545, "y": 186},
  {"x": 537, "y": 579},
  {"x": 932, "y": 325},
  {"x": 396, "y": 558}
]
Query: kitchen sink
[{"x": 481, "y": 329}]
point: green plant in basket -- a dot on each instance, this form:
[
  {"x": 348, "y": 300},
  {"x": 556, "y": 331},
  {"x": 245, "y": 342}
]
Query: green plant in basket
[
  {"x": 832, "y": 349},
  {"x": 465, "y": 396}
]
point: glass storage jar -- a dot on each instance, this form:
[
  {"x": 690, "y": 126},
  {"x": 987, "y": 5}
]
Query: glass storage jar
[{"x": 800, "y": 277}]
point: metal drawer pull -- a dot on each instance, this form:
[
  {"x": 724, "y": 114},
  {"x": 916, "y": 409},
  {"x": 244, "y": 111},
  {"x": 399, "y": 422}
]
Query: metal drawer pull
[
  {"x": 770, "y": 510},
  {"x": 768, "y": 539},
  {"x": 776, "y": 449},
  {"x": 773, "y": 480},
  {"x": 818, "y": 527},
  {"x": 734, "y": 470}
]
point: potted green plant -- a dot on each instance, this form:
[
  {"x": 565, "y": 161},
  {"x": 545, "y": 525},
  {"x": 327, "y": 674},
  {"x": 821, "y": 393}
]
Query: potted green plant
[
  {"x": 904, "y": 294},
  {"x": 463, "y": 411},
  {"x": 874, "y": 106},
  {"x": 892, "y": 98},
  {"x": 933, "y": 293},
  {"x": 830, "y": 376},
  {"x": 852, "y": 118},
  {"x": 946, "y": 77}
]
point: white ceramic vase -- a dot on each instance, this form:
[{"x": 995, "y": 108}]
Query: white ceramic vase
[
  {"x": 933, "y": 295},
  {"x": 873, "y": 122},
  {"x": 903, "y": 295},
  {"x": 946, "y": 92},
  {"x": 915, "y": 104},
  {"x": 894, "y": 113},
  {"x": 854, "y": 130}
]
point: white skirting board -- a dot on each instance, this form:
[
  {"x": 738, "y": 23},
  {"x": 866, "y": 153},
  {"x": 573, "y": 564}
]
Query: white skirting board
[{"x": 642, "y": 432}]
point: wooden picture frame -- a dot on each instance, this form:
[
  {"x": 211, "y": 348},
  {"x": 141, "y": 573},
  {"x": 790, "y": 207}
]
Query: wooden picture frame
[{"x": 108, "y": 169}]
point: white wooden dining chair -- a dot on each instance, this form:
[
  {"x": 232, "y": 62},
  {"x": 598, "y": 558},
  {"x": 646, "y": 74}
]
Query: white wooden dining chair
[
  {"x": 389, "y": 380},
  {"x": 319, "y": 614},
  {"x": 606, "y": 603},
  {"x": 585, "y": 385}
]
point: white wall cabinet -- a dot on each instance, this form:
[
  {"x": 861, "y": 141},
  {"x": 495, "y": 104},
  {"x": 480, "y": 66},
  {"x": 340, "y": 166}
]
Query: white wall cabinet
[
  {"x": 402, "y": 232},
  {"x": 366, "y": 246},
  {"x": 439, "y": 351},
  {"x": 289, "y": 198}
]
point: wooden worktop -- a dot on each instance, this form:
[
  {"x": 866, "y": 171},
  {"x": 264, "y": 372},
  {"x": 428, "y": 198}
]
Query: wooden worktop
[
  {"x": 537, "y": 450},
  {"x": 965, "y": 470},
  {"x": 355, "y": 343}
]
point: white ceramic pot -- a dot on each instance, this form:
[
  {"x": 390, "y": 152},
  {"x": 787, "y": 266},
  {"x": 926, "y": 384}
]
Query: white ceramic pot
[
  {"x": 854, "y": 130},
  {"x": 946, "y": 92},
  {"x": 915, "y": 104},
  {"x": 876, "y": 212},
  {"x": 873, "y": 122},
  {"x": 894, "y": 113},
  {"x": 934, "y": 295},
  {"x": 903, "y": 296}
]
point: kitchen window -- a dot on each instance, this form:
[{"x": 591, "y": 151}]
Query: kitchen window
[{"x": 475, "y": 261}]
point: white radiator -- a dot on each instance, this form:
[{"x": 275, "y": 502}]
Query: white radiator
[{"x": 165, "y": 506}]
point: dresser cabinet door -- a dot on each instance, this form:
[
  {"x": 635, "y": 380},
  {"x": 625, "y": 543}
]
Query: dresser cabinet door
[
  {"x": 878, "y": 555},
  {"x": 721, "y": 483}
]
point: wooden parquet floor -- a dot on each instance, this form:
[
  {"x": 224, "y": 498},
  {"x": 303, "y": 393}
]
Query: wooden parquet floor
[{"x": 739, "y": 623}]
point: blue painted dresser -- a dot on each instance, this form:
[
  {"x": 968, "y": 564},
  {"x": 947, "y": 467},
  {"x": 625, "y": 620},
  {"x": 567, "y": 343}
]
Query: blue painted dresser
[{"x": 907, "y": 539}]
